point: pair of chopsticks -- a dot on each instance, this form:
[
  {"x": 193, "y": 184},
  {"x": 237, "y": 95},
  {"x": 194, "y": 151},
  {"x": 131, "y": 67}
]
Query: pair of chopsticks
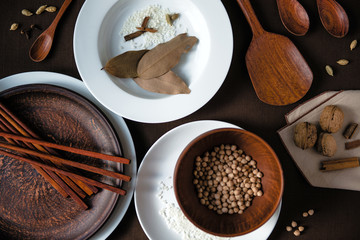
[
  {"x": 55, "y": 159},
  {"x": 65, "y": 184}
]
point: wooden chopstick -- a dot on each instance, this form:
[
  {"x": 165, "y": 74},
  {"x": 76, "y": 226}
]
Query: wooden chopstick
[
  {"x": 66, "y": 148},
  {"x": 54, "y": 180},
  {"x": 66, "y": 162},
  {"x": 25, "y": 131},
  {"x": 66, "y": 173},
  {"x": 16, "y": 126},
  {"x": 50, "y": 176}
]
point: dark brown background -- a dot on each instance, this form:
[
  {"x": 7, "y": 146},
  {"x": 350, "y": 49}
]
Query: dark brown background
[{"x": 337, "y": 211}]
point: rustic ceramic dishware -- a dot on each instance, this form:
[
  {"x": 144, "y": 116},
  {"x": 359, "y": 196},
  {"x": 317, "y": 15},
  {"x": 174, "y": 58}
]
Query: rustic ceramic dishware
[
  {"x": 262, "y": 208},
  {"x": 31, "y": 208},
  {"x": 293, "y": 16},
  {"x": 333, "y": 17},
  {"x": 42, "y": 45},
  {"x": 278, "y": 71}
]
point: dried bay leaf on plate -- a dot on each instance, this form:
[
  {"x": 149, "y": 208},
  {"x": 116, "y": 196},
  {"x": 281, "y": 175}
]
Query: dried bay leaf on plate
[
  {"x": 125, "y": 65},
  {"x": 165, "y": 56},
  {"x": 168, "y": 83}
]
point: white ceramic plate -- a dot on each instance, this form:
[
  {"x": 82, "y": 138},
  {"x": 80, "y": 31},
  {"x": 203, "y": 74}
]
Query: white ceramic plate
[
  {"x": 204, "y": 68},
  {"x": 156, "y": 167},
  {"x": 117, "y": 122}
]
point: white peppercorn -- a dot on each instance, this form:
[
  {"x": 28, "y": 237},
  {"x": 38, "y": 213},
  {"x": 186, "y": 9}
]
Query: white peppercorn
[
  {"x": 226, "y": 179},
  {"x": 297, "y": 233},
  {"x": 294, "y": 224},
  {"x": 288, "y": 228}
]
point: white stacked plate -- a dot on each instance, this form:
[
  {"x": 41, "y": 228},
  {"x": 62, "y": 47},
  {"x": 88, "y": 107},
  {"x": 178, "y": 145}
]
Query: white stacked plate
[
  {"x": 97, "y": 39},
  {"x": 154, "y": 192}
]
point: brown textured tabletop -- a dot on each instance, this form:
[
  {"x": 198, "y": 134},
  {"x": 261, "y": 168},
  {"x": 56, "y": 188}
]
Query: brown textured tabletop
[{"x": 337, "y": 211}]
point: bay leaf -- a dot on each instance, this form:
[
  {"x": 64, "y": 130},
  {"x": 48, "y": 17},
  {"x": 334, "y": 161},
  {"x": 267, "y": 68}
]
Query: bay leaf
[
  {"x": 168, "y": 83},
  {"x": 125, "y": 65},
  {"x": 164, "y": 57}
]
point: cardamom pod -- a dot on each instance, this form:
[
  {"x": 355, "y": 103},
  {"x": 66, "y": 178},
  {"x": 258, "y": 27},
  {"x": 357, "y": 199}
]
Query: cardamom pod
[
  {"x": 124, "y": 65},
  {"x": 40, "y": 9},
  {"x": 353, "y": 44},
  {"x": 14, "y": 26},
  {"x": 168, "y": 19},
  {"x": 26, "y": 12},
  {"x": 329, "y": 70},
  {"x": 175, "y": 16},
  {"x": 343, "y": 62},
  {"x": 50, "y": 9}
]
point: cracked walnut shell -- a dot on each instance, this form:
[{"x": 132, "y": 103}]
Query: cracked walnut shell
[
  {"x": 305, "y": 135},
  {"x": 331, "y": 119}
]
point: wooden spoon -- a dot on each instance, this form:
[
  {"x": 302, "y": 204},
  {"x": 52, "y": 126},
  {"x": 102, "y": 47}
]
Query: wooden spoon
[
  {"x": 42, "y": 45},
  {"x": 293, "y": 16},
  {"x": 333, "y": 17},
  {"x": 278, "y": 71}
]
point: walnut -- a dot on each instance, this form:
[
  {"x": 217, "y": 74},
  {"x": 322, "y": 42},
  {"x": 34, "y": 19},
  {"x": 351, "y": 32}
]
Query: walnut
[
  {"x": 326, "y": 144},
  {"x": 305, "y": 135},
  {"x": 331, "y": 119}
]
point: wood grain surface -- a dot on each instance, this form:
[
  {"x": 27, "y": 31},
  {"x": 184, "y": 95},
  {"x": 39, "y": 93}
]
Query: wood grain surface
[
  {"x": 279, "y": 73},
  {"x": 30, "y": 207},
  {"x": 336, "y": 212},
  {"x": 333, "y": 17},
  {"x": 262, "y": 208},
  {"x": 294, "y": 17}
]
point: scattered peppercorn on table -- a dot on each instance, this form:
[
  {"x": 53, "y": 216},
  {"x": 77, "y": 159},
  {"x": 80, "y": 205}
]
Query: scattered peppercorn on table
[{"x": 307, "y": 212}]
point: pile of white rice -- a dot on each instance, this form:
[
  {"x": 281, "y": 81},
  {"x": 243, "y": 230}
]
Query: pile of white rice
[{"x": 165, "y": 31}]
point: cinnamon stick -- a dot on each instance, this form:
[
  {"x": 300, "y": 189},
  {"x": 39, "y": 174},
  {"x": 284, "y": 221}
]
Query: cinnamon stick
[
  {"x": 141, "y": 29},
  {"x": 152, "y": 30},
  {"x": 67, "y": 162},
  {"x": 145, "y": 22},
  {"x": 66, "y": 173},
  {"x": 133, "y": 35},
  {"x": 353, "y": 144},
  {"x": 332, "y": 165},
  {"x": 350, "y": 130},
  {"x": 66, "y": 148}
]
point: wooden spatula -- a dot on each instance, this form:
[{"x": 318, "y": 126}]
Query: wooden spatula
[{"x": 278, "y": 71}]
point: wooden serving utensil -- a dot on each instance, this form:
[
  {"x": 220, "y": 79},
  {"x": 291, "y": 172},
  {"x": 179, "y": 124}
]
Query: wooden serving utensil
[
  {"x": 333, "y": 17},
  {"x": 293, "y": 16},
  {"x": 42, "y": 45},
  {"x": 278, "y": 71}
]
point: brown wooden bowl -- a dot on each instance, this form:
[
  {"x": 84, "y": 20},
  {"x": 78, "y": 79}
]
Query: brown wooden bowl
[{"x": 261, "y": 209}]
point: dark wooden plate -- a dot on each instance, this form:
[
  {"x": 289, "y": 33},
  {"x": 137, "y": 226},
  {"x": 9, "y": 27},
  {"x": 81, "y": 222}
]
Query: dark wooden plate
[{"x": 30, "y": 208}]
